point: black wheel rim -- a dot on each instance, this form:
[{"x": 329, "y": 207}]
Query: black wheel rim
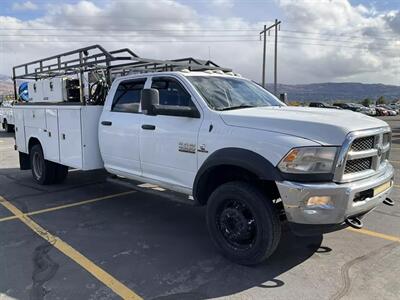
[{"x": 237, "y": 224}]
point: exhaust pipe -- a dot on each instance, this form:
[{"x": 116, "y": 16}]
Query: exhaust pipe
[
  {"x": 354, "y": 222},
  {"x": 388, "y": 202}
]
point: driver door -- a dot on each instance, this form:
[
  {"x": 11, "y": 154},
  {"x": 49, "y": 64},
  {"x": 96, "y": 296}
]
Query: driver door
[{"x": 168, "y": 144}]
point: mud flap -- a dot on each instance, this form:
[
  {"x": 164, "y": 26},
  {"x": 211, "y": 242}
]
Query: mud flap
[{"x": 24, "y": 161}]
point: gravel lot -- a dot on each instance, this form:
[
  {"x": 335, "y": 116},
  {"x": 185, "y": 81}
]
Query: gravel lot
[{"x": 160, "y": 249}]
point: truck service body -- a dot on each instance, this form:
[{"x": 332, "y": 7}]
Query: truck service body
[{"x": 252, "y": 164}]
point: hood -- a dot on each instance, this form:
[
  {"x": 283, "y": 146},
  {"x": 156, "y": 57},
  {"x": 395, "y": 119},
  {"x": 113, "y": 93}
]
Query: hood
[{"x": 324, "y": 126}]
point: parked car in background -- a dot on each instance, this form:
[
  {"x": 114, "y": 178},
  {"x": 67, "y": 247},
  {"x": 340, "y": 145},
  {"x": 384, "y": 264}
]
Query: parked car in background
[
  {"x": 357, "y": 108},
  {"x": 394, "y": 107},
  {"x": 364, "y": 110},
  {"x": 380, "y": 111},
  {"x": 348, "y": 106},
  {"x": 323, "y": 105},
  {"x": 391, "y": 112}
]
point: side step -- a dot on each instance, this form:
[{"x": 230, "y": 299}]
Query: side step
[{"x": 152, "y": 189}]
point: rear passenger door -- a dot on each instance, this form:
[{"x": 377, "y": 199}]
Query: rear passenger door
[{"x": 120, "y": 128}]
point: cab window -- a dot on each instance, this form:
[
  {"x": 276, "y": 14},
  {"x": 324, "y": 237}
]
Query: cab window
[
  {"x": 171, "y": 92},
  {"x": 127, "y": 96}
]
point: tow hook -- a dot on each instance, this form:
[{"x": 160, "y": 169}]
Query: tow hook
[
  {"x": 354, "y": 222},
  {"x": 388, "y": 201}
]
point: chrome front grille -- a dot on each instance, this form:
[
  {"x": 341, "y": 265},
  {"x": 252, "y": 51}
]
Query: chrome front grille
[
  {"x": 363, "y": 154},
  {"x": 364, "y": 143},
  {"x": 358, "y": 165}
]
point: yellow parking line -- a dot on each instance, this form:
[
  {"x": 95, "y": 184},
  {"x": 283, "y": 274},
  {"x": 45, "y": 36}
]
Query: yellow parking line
[
  {"x": 118, "y": 287},
  {"x": 68, "y": 205},
  {"x": 8, "y": 218},
  {"x": 375, "y": 234},
  {"x": 395, "y": 161}
]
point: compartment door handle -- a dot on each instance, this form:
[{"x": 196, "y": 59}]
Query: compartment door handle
[
  {"x": 106, "y": 123},
  {"x": 148, "y": 127}
]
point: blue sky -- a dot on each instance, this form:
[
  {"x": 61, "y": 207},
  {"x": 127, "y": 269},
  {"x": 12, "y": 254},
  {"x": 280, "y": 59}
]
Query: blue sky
[{"x": 320, "y": 40}]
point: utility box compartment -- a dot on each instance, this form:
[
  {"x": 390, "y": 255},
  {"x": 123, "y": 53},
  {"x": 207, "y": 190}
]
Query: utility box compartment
[
  {"x": 35, "y": 118},
  {"x": 53, "y": 90},
  {"x": 35, "y": 91},
  {"x": 70, "y": 137},
  {"x": 57, "y": 89},
  {"x": 20, "y": 140},
  {"x": 68, "y": 134},
  {"x": 50, "y": 135}
]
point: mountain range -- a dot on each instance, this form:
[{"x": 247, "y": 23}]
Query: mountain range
[
  {"x": 6, "y": 85},
  {"x": 335, "y": 91},
  {"x": 327, "y": 92}
]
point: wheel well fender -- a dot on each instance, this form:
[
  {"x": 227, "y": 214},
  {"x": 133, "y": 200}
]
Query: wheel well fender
[
  {"x": 232, "y": 164},
  {"x": 32, "y": 142}
]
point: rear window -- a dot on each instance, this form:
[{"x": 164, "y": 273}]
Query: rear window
[{"x": 127, "y": 96}]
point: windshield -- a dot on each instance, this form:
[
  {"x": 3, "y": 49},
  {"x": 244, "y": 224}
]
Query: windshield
[{"x": 223, "y": 93}]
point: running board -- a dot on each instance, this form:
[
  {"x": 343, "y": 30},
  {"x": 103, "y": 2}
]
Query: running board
[{"x": 152, "y": 189}]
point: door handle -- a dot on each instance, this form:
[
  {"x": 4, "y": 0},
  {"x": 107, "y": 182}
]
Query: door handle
[
  {"x": 148, "y": 127},
  {"x": 106, "y": 123}
]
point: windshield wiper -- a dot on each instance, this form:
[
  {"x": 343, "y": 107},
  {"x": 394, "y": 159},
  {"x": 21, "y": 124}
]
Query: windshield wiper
[{"x": 236, "y": 107}]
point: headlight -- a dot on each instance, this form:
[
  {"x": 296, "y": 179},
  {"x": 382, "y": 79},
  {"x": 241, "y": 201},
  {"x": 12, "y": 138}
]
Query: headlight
[{"x": 306, "y": 160}]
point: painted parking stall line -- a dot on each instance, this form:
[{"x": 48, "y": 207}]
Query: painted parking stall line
[
  {"x": 41, "y": 211},
  {"x": 375, "y": 234},
  {"x": 116, "y": 286}
]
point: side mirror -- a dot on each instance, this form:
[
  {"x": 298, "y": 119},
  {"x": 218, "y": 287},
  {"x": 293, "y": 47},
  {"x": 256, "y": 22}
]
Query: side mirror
[{"x": 149, "y": 99}]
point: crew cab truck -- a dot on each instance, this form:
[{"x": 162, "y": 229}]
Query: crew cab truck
[
  {"x": 225, "y": 141},
  {"x": 7, "y": 116}
]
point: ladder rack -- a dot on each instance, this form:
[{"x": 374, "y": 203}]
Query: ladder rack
[{"x": 113, "y": 63}]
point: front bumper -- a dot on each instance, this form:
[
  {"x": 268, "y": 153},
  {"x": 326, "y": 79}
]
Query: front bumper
[{"x": 295, "y": 195}]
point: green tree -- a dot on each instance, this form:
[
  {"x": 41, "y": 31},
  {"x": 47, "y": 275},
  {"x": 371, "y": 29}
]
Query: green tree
[
  {"x": 381, "y": 100},
  {"x": 366, "y": 102}
]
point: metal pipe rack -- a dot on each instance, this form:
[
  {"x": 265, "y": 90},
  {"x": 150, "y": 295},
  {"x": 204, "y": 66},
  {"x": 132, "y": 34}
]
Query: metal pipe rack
[{"x": 95, "y": 57}]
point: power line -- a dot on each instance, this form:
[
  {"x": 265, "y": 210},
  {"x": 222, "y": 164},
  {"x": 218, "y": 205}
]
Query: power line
[
  {"x": 122, "y": 35},
  {"x": 326, "y": 40},
  {"x": 181, "y": 35},
  {"x": 344, "y": 35},
  {"x": 383, "y": 49},
  {"x": 116, "y": 28}
]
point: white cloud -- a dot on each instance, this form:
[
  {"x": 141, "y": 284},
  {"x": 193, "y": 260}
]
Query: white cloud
[
  {"x": 28, "y": 5},
  {"x": 363, "y": 41},
  {"x": 222, "y": 3}
]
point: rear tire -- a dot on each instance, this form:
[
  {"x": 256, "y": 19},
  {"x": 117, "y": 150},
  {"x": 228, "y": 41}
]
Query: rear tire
[
  {"x": 7, "y": 127},
  {"x": 243, "y": 223},
  {"x": 43, "y": 171}
]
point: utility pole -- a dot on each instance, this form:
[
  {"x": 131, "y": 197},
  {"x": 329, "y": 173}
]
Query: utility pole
[
  {"x": 264, "y": 54},
  {"x": 276, "y": 58},
  {"x": 264, "y": 33}
]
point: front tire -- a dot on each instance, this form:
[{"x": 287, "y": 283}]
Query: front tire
[
  {"x": 43, "y": 171},
  {"x": 243, "y": 223}
]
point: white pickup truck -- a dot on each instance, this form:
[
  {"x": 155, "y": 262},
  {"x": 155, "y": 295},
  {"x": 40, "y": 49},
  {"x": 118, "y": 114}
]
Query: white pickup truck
[
  {"x": 229, "y": 144},
  {"x": 7, "y": 117}
]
